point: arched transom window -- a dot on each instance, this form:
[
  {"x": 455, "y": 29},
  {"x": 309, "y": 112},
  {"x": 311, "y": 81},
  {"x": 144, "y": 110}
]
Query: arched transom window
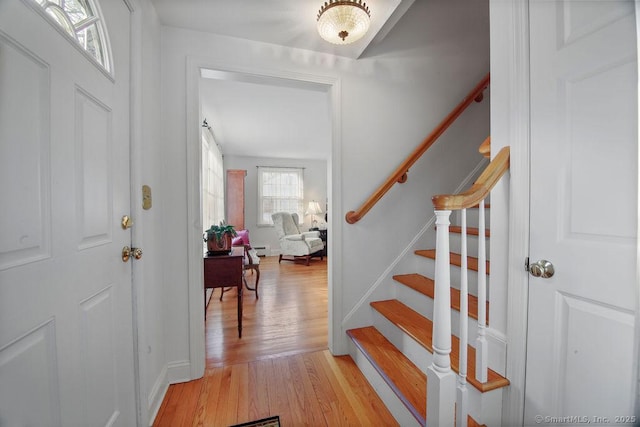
[{"x": 81, "y": 20}]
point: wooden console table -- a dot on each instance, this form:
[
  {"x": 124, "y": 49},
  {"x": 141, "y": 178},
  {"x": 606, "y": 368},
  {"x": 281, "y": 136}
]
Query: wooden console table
[{"x": 223, "y": 271}]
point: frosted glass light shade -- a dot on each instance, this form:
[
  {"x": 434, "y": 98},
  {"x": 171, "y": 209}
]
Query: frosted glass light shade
[{"x": 343, "y": 21}]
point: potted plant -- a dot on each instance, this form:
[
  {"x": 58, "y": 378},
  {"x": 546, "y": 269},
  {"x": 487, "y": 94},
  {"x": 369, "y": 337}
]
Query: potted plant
[{"x": 218, "y": 238}]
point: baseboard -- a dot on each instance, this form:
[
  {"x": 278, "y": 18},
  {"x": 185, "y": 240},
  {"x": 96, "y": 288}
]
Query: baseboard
[
  {"x": 156, "y": 396},
  {"x": 172, "y": 373},
  {"x": 179, "y": 372}
]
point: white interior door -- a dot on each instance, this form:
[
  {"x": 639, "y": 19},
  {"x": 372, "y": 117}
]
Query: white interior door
[
  {"x": 584, "y": 198},
  {"x": 66, "y": 348}
]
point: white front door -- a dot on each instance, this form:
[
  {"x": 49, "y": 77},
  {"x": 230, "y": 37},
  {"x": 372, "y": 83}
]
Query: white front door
[
  {"x": 584, "y": 198},
  {"x": 66, "y": 347}
]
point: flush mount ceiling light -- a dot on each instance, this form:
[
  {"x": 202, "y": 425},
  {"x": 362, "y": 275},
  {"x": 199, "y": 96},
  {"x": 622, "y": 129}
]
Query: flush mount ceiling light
[{"x": 343, "y": 21}]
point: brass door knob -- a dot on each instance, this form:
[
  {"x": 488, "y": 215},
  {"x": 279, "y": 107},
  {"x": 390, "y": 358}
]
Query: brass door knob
[
  {"x": 126, "y": 222},
  {"x": 126, "y": 253},
  {"x": 136, "y": 252}
]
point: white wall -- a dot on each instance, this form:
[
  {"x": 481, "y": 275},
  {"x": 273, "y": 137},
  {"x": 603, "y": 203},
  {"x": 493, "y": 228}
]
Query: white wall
[
  {"x": 149, "y": 226},
  {"x": 390, "y": 100},
  {"x": 315, "y": 188}
]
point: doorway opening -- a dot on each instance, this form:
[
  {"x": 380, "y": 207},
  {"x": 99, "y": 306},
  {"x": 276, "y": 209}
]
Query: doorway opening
[
  {"x": 325, "y": 91},
  {"x": 282, "y": 127}
]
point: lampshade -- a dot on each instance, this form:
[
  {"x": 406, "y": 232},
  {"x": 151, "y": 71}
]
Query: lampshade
[
  {"x": 313, "y": 208},
  {"x": 343, "y": 21}
]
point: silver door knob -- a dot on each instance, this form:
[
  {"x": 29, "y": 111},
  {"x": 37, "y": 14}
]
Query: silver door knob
[{"x": 542, "y": 268}]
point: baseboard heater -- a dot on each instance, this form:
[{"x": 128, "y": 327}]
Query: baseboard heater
[{"x": 261, "y": 250}]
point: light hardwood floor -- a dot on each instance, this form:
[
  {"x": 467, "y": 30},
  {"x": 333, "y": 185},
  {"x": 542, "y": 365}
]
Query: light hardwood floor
[{"x": 280, "y": 366}]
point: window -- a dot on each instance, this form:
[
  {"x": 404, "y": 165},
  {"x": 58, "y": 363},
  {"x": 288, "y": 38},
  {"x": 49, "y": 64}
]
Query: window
[
  {"x": 81, "y": 20},
  {"x": 212, "y": 181},
  {"x": 279, "y": 190}
]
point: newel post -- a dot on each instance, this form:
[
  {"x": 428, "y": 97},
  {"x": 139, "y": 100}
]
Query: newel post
[{"x": 441, "y": 380}]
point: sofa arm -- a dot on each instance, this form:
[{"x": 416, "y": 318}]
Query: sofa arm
[
  {"x": 294, "y": 237},
  {"x": 308, "y": 234}
]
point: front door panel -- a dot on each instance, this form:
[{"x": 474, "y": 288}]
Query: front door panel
[{"x": 66, "y": 346}]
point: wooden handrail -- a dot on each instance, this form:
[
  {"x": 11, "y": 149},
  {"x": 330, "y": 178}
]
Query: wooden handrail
[
  {"x": 485, "y": 148},
  {"x": 400, "y": 174},
  {"x": 480, "y": 189}
]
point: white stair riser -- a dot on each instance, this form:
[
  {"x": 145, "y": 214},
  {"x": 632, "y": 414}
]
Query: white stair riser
[
  {"x": 482, "y": 406},
  {"x": 427, "y": 268},
  {"x": 455, "y": 244},
  {"x": 399, "y": 411},
  {"x": 403, "y": 342},
  {"x": 424, "y": 305},
  {"x": 472, "y": 217}
]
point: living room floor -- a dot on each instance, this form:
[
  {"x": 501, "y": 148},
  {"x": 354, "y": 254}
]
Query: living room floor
[{"x": 281, "y": 365}]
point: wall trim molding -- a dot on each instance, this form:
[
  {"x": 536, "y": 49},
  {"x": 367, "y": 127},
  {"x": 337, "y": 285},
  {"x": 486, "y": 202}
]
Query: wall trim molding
[
  {"x": 510, "y": 125},
  {"x": 178, "y": 371},
  {"x": 636, "y": 368},
  {"x": 156, "y": 395}
]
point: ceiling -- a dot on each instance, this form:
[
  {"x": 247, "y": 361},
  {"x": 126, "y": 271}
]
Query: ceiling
[
  {"x": 289, "y": 23},
  {"x": 266, "y": 117},
  {"x": 271, "y": 117}
]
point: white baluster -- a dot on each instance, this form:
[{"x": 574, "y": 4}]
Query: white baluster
[
  {"x": 441, "y": 382},
  {"x": 462, "y": 406},
  {"x": 482, "y": 349}
]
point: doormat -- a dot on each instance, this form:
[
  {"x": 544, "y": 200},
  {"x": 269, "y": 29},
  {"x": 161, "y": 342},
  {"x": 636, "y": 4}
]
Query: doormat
[{"x": 265, "y": 422}]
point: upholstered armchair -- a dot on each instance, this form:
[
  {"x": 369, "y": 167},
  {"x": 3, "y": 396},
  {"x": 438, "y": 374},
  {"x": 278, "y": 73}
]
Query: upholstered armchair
[{"x": 295, "y": 245}]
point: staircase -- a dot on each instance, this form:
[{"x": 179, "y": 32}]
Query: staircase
[
  {"x": 418, "y": 354},
  {"x": 396, "y": 353}
]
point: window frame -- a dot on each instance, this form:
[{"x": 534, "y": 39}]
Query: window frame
[
  {"x": 94, "y": 17},
  {"x": 213, "y": 191},
  {"x": 279, "y": 203}
]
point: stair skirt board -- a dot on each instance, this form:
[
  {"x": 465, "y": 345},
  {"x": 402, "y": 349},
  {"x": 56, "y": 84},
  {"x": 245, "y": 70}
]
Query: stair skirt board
[
  {"x": 483, "y": 407},
  {"x": 402, "y": 413},
  {"x": 359, "y": 313}
]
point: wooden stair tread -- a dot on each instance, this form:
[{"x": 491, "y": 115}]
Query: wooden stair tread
[
  {"x": 426, "y": 286},
  {"x": 486, "y": 206},
  {"x": 406, "y": 380},
  {"x": 471, "y": 231},
  {"x": 420, "y": 329},
  {"x": 454, "y": 259}
]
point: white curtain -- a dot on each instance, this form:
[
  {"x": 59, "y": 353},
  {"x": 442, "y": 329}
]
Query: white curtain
[{"x": 212, "y": 181}]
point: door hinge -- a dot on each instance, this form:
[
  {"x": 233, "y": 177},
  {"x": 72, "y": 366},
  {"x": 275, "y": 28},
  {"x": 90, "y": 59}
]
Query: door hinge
[{"x": 526, "y": 264}]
